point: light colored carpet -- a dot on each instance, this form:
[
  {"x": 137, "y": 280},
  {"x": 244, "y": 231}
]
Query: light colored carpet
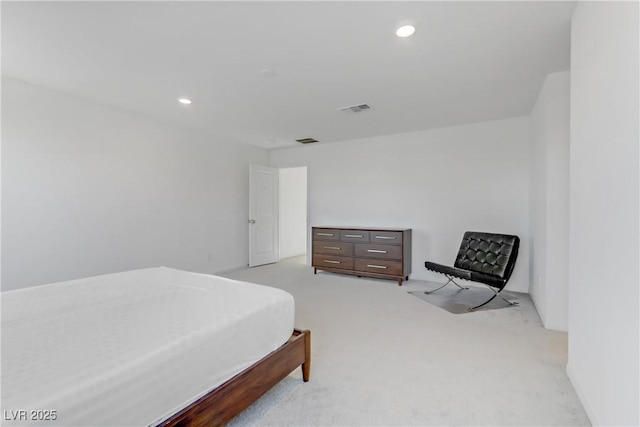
[{"x": 382, "y": 357}]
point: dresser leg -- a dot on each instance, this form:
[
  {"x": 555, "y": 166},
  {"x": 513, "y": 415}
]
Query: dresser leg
[{"x": 400, "y": 281}]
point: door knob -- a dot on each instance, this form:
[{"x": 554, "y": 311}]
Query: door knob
[{"x": 252, "y": 221}]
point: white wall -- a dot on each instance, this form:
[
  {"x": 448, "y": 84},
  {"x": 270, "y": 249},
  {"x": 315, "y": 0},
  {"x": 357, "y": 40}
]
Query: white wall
[
  {"x": 549, "y": 201},
  {"x": 87, "y": 189},
  {"x": 292, "y": 211},
  {"x": 604, "y": 212},
  {"x": 439, "y": 182}
]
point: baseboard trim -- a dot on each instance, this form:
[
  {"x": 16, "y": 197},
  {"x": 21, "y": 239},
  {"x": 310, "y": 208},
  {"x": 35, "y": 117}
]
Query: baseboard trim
[{"x": 581, "y": 396}]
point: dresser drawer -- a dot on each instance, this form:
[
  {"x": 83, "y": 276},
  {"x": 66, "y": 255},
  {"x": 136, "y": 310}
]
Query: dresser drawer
[
  {"x": 354, "y": 236},
  {"x": 386, "y": 237},
  {"x": 329, "y": 261},
  {"x": 370, "y": 250},
  {"x": 326, "y": 234},
  {"x": 332, "y": 248},
  {"x": 380, "y": 266}
]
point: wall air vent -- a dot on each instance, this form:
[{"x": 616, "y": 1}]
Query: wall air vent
[
  {"x": 355, "y": 108},
  {"x": 306, "y": 140}
]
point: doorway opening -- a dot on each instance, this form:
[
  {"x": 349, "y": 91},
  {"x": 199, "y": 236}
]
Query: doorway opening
[{"x": 293, "y": 212}]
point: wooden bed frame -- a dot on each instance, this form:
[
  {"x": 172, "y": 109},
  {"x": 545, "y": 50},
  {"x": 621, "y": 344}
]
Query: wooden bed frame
[{"x": 220, "y": 405}]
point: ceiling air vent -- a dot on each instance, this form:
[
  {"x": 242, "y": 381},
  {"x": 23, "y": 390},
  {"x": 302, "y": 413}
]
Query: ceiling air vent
[
  {"x": 355, "y": 108},
  {"x": 306, "y": 140}
]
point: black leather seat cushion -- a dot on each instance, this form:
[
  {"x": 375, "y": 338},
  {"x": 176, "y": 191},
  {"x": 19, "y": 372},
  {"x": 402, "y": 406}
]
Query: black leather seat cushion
[
  {"x": 487, "y": 279},
  {"x": 448, "y": 270}
]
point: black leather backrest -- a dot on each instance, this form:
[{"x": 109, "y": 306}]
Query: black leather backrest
[{"x": 488, "y": 253}]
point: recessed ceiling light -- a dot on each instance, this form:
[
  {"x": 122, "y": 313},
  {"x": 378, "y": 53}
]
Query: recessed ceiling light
[
  {"x": 184, "y": 101},
  {"x": 405, "y": 31}
]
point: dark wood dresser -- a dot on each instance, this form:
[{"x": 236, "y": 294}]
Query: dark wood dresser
[{"x": 383, "y": 253}]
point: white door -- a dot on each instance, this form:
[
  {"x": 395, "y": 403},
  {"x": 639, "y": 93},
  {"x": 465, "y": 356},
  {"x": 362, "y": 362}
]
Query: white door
[{"x": 263, "y": 215}]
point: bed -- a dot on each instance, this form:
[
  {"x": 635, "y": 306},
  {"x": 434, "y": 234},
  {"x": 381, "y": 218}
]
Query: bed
[{"x": 150, "y": 347}]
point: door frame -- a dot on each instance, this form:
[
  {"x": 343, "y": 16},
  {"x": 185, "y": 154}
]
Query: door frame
[{"x": 307, "y": 219}]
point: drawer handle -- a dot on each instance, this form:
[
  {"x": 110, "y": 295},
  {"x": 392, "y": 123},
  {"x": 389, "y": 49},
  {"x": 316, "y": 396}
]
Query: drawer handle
[
  {"x": 332, "y": 262},
  {"x": 336, "y": 248},
  {"x": 376, "y": 251},
  {"x": 324, "y": 234},
  {"x": 353, "y": 235},
  {"x": 385, "y": 237},
  {"x": 377, "y": 266}
]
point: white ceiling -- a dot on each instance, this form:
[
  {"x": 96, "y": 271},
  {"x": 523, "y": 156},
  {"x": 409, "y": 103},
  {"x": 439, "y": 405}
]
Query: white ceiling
[{"x": 467, "y": 62}]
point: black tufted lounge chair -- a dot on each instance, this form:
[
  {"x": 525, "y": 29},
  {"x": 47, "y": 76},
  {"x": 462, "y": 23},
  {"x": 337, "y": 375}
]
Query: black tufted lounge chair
[{"x": 485, "y": 258}]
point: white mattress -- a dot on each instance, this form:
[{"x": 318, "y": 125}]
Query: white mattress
[{"x": 132, "y": 348}]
